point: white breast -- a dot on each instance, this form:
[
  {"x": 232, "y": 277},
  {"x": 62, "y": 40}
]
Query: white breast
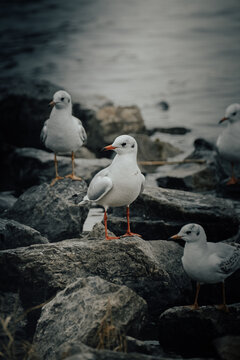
[{"x": 228, "y": 143}]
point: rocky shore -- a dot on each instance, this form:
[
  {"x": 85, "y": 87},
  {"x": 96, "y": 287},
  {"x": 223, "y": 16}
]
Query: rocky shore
[{"x": 68, "y": 294}]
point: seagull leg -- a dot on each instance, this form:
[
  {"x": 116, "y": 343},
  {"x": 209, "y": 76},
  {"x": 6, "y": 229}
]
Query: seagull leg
[
  {"x": 56, "y": 171},
  {"x": 129, "y": 233},
  {"x": 195, "y": 304},
  {"x": 72, "y": 176},
  {"x": 223, "y": 306},
  {"x": 106, "y": 231},
  {"x": 233, "y": 180}
]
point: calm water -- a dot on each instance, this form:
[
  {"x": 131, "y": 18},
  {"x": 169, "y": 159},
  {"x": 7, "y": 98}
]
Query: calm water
[{"x": 186, "y": 52}]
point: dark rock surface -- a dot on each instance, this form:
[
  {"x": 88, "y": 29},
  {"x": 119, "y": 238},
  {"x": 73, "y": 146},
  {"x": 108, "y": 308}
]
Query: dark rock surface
[
  {"x": 191, "y": 332},
  {"x": 34, "y": 167},
  {"x": 7, "y": 200},
  {"x": 159, "y": 213},
  {"x": 176, "y": 130},
  {"x": 86, "y": 311},
  {"x": 52, "y": 210},
  {"x": 228, "y": 347},
  {"x": 14, "y": 235}
]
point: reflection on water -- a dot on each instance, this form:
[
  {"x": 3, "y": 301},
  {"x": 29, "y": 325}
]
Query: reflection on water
[{"x": 132, "y": 51}]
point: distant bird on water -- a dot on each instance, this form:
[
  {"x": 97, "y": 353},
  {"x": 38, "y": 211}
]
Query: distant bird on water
[
  {"x": 62, "y": 132},
  {"x": 207, "y": 262},
  {"x": 120, "y": 183},
  {"x": 228, "y": 143}
]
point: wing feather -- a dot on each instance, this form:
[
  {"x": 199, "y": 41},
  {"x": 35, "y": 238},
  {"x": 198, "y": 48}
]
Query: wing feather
[{"x": 43, "y": 134}]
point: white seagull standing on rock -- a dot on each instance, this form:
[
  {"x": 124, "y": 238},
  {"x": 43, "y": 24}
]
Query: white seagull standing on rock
[
  {"x": 228, "y": 143},
  {"x": 62, "y": 132},
  {"x": 120, "y": 183},
  {"x": 207, "y": 262}
]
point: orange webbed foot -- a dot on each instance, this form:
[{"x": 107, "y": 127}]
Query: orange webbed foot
[
  {"x": 73, "y": 177},
  {"x": 112, "y": 237},
  {"x": 56, "y": 179},
  {"x": 232, "y": 181},
  {"x": 131, "y": 234}
]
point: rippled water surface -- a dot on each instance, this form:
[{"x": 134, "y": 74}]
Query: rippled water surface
[{"x": 186, "y": 52}]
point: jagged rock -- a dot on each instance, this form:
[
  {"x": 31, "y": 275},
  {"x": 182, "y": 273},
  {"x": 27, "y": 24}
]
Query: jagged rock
[
  {"x": 191, "y": 332},
  {"x": 52, "y": 210},
  {"x": 152, "y": 269},
  {"x": 90, "y": 310},
  {"x": 14, "y": 235},
  {"x": 7, "y": 200},
  {"x": 228, "y": 347},
  {"x": 34, "y": 167},
  {"x": 159, "y": 213}
]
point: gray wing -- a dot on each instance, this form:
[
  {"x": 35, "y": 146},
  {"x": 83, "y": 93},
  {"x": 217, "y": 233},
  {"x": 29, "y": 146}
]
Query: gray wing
[
  {"x": 231, "y": 262},
  {"x": 100, "y": 185},
  {"x": 43, "y": 134},
  {"x": 143, "y": 184},
  {"x": 81, "y": 130}
]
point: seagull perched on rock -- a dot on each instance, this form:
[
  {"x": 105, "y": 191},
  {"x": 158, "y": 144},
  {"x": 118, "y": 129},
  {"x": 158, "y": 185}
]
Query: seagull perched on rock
[
  {"x": 207, "y": 262},
  {"x": 228, "y": 143},
  {"x": 62, "y": 132},
  {"x": 120, "y": 183}
]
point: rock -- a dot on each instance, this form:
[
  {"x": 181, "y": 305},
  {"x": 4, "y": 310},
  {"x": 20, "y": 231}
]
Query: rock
[
  {"x": 191, "y": 332},
  {"x": 144, "y": 347},
  {"x": 34, "y": 167},
  {"x": 172, "y": 130},
  {"x": 104, "y": 124},
  {"x": 159, "y": 213},
  {"x": 90, "y": 310},
  {"x": 14, "y": 235},
  {"x": 52, "y": 210},
  {"x": 7, "y": 200},
  {"x": 228, "y": 347},
  {"x": 163, "y": 105},
  {"x": 152, "y": 269}
]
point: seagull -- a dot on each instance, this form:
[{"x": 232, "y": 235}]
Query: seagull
[
  {"x": 207, "y": 262},
  {"x": 120, "y": 183},
  {"x": 228, "y": 142},
  {"x": 63, "y": 132}
]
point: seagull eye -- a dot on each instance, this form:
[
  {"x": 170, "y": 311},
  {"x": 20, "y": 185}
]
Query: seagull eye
[
  {"x": 62, "y": 99},
  {"x": 124, "y": 144},
  {"x": 234, "y": 113},
  {"x": 188, "y": 232}
]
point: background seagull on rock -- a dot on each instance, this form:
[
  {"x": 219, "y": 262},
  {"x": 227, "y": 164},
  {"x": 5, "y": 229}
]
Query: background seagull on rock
[
  {"x": 228, "y": 143},
  {"x": 62, "y": 132},
  {"x": 207, "y": 262},
  {"x": 120, "y": 183}
]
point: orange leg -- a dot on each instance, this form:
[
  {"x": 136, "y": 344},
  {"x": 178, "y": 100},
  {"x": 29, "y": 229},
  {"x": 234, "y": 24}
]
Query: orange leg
[
  {"x": 195, "y": 304},
  {"x": 233, "y": 180},
  {"x": 129, "y": 233},
  {"x": 57, "y": 177},
  {"x": 223, "y": 306},
  {"x": 106, "y": 231},
  {"x": 72, "y": 176}
]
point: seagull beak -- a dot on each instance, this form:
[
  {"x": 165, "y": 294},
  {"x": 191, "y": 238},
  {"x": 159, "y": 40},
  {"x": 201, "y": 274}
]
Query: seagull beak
[
  {"x": 109, "y": 147},
  {"x": 176, "y": 237},
  {"x": 52, "y": 103},
  {"x": 223, "y": 119}
]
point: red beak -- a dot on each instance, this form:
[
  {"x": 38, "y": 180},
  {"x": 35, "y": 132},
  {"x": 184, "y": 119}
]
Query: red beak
[
  {"x": 109, "y": 147},
  {"x": 52, "y": 103},
  {"x": 223, "y": 119}
]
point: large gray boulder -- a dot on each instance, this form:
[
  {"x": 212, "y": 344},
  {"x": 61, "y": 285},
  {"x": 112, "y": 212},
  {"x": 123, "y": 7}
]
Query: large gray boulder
[
  {"x": 92, "y": 311},
  {"x": 52, "y": 210},
  {"x": 7, "y": 200},
  {"x": 14, "y": 234},
  {"x": 160, "y": 213},
  {"x": 192, "y": 332}
]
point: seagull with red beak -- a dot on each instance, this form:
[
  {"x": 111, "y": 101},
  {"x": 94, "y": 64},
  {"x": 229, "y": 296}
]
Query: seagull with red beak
[
  {"x": 120, "y": 183},
  {"x": 228, "y": 142},
  {"x": 207, "y": 262},
  {"x": 62, "y": 132}
]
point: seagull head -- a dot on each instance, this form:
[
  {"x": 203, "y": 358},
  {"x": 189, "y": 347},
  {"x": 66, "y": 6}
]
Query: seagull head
[
  {"x": 191, "y": 233},
  {"x": 61, "y": 100},
  {"x": 124, "y": 144},
  {"x": 232, "y": 113}
]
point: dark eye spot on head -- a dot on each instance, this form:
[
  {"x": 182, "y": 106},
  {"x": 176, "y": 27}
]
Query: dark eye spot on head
[
  {"x": 124, "y": 144},
  {"x": 62, "y": 98},
  {"x": 234, "y": 113},
  {"x": 68, "y": 100},
  {"x": 188, "y": 232},
  {"x": 132, "y": 145},
  {"x": 198, "y": 232}
]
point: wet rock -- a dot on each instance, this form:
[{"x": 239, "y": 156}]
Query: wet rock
[
  {"x": 191, "y": 332},
  {"x": 7, "y": 200},
  {"x": 159, "y": 213},
  {"x": 14, "y": 235},
  {"x": 171, "y": 130},
  {"x": 228, "y": 347},
  {"x": 152, "y": 269},
  {"x": 163, "y": 105},
  {"x": 52, "y": 210},
  {"x": 90, "y": 310},
  {"x": 34, "y": 167}
]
